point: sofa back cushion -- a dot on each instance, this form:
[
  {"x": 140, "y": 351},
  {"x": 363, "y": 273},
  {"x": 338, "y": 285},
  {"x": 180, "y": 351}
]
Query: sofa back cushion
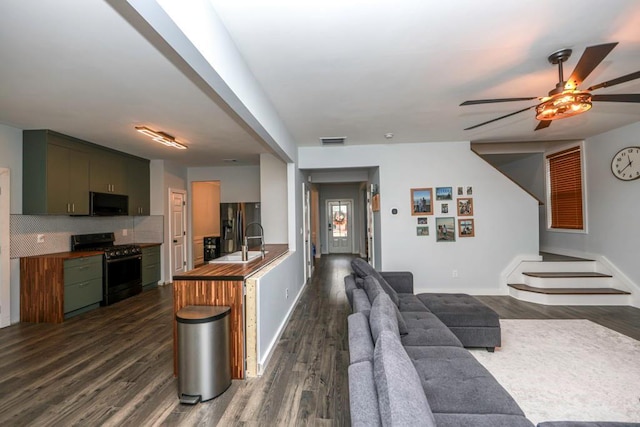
[
  {"x": 360, "y": 341},
  {"x": 361, "y": 302},
  {"x": 373, "y": 289},
  {"x": 383, "y": 317},
  {"x": 401, "y": 399},
  {"x": 363, "y": 398},
  {"x": 364, "y": 269}
]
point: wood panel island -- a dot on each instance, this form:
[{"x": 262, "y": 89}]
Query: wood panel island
[{"x": 224, "y": 284}]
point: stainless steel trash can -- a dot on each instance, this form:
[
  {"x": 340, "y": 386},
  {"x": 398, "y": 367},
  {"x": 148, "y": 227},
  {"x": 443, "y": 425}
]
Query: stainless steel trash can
[{"x": 204, "y": 363}]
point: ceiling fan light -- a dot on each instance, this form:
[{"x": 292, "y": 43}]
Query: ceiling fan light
[{"x": 562, "y": 105}]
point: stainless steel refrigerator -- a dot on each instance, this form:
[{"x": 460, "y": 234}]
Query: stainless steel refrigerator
[{"x": 234, "y": 217}]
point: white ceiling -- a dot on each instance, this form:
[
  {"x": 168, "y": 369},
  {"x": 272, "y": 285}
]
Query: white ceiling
[{"x": 354, "y": 68}]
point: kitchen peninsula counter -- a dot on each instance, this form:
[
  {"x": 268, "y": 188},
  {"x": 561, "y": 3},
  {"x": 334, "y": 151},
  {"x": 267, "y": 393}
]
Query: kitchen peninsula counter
[{"x": 222, "y": 284}]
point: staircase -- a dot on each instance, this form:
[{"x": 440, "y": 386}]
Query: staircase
[{"x": 564, "y": 280}]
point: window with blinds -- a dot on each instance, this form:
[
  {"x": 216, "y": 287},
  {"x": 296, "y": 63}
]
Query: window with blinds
[{"x": 565, "y": 189}]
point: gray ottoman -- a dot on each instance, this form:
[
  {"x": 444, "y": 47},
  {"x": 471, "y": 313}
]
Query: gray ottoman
[{"x": 475, "y": 324}]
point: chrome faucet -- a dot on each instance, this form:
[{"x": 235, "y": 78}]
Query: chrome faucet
[{"x": 260, "y": 236}]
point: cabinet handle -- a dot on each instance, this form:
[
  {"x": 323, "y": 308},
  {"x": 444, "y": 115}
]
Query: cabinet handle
[
  {"x": 73, "y": 207},
  {"x": 68, "y": 207}
]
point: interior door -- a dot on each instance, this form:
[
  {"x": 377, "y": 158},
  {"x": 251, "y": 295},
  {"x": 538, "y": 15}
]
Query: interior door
[
  {"x": 306, "y": 215},
  {"x": 178, "y": 231},
  {"x": 339, "y": 218}
]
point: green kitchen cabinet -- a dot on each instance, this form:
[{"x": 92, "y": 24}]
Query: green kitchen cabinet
[
  {"x": 55, "y": 175},
  {"x": 138, "y": 186},
  {"x": 150, "y": 266},
  {"x": 108, "y": 173},
  {"x": 82, "y": 284}
]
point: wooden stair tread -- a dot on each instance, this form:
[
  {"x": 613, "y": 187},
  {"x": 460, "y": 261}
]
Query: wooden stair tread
[
  {"x": 564, "y": 274},
  {"x": 568, "y": 291}
]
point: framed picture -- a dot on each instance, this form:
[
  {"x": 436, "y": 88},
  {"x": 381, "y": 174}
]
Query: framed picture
[
  {"x": 465, "y": 206},
  {"x": 460, "y": 191},
  {"x": 421, "y": 201},
  {"x": 446, "y": 229},
  {"x": 422, "y": 220},
  {"x": 469, "y": 191},
  {"x": 466, "y": 228},
  {"x": 422, "y": 231},
  {"x": 444, "y": 208},
  {"x": 444, "y": 193}
]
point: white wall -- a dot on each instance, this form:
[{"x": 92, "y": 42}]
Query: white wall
[
  {"x": 274, "y": 205},
  {"x": 237, "y": 183},
  {"x": 506, "y": 217},
  {"x": 11, "y": 158},
  {"x": 612, "y": 208}
]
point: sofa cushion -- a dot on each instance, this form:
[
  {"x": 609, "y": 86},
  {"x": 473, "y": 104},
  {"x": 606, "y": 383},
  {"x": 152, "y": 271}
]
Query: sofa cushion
[
  {"x": 364, "y": 269},
  {"x": 361, "y": 302},
  {"x": 349, "y": 286},
  {"x": 373, "y": 289},
  {"x": 383, "y": 317},
  {"x": 401, "y": 400},
  {"x": 424, "y": 328},
  {"x": 363, "y": 398},
  {"x": 481, "y": 420},
  {"x": 360, "y": 341},
  {"x": 455, "y": 382},
  {"x": 410, "y": 302},
  {"x": 460, "y": 310}
]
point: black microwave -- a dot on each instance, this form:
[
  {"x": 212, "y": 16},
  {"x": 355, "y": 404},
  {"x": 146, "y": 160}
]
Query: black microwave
[{"x": 106, "y": 204}]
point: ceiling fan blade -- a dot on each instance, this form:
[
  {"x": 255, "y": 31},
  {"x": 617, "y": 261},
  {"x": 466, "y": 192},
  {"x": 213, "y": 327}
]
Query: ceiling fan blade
[
  {"x": 543, "y": 124},
  {"x": 500, "y": 118},
  {"x": 492, "y": 101},
  {"x": 618, "y": 97},
  {"x": 617, "y": 81},
  {"x": 591, "y": 58}
]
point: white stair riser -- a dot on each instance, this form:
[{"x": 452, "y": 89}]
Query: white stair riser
[
  {"x": 547, "y": 299},
  {"x": 565, "y": 282},
  {"x": 557, "y": 266}
]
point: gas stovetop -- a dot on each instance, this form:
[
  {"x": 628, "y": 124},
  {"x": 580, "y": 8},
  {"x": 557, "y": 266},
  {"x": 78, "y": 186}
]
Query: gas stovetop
[{"x": 103, "y": 242}]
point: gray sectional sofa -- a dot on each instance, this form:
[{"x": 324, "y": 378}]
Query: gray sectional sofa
[{"x": 408, "y": 368}]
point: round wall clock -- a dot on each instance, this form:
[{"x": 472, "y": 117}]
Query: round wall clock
[{"x": 625, "y": 165}]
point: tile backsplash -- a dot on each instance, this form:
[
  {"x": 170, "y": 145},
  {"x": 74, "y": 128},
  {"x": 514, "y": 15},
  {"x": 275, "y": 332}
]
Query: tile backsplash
[{"x": 58, "y": 229}]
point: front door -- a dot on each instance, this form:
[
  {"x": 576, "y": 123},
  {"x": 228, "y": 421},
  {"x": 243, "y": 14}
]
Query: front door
[
  {"x": 339, "y": 215},
  {"x": 178, "y": 231}
]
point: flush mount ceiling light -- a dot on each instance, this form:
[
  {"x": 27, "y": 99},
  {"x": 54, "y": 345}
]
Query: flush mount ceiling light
[{"x": 161, "y": 137}]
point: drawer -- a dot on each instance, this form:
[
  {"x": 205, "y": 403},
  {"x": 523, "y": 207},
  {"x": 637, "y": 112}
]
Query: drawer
[
  {"x": 82, "y": 269},
  {"x": 150, "y": 273},
  {"x": 82, "y": 294},
  {"x": 151, "y": 255}
]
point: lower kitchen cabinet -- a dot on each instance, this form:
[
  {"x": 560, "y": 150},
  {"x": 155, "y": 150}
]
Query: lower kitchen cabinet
[
  {"x": 150, "y": 267},
  {"x": 82, "y": 283},
  {"x": 58, "y": 286}
]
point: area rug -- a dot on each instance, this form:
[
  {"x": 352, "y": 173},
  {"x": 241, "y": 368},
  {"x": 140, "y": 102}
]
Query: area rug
[{"x": 571, "y": 370}]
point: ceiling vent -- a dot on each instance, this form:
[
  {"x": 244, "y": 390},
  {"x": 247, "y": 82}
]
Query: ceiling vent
[{"x": 334, "y": 140}]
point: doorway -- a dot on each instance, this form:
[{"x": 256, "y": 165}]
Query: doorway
[
  {"x": 5, "y": 276},
  {"x": 177, "y": 231},
  {"x": 306, "y": 218},
  {"x": 339, "y": 232}
]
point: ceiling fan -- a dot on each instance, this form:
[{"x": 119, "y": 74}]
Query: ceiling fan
[{"x": 566, "y": 100}]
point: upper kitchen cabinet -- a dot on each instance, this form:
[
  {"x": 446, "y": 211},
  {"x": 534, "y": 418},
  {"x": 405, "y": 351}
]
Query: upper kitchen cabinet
[
  {"x": 55, "y": 175},
  {"x": 138, "y": 186},
  {"x": 108, "y": 173}
]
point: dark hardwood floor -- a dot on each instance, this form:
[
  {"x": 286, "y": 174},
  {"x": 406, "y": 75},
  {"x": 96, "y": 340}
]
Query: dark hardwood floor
[{"x": 113, "y": 366}]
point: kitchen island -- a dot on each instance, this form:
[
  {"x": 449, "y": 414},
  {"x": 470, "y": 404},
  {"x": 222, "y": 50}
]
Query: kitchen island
[{"x": 222, "y": 284}]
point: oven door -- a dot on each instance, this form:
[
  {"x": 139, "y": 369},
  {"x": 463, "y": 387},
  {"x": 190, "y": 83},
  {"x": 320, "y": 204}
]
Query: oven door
[{"x": 122, "y": 278}]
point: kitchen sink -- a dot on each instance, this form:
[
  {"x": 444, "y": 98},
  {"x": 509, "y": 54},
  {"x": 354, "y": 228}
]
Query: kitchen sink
[{"x": 236, "y": 258}]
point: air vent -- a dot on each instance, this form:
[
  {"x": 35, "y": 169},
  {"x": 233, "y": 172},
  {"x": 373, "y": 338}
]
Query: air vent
[{"x": 334, "y": 140}]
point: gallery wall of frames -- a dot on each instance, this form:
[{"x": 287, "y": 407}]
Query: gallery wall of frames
[{"x": 451, "y": 212}]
